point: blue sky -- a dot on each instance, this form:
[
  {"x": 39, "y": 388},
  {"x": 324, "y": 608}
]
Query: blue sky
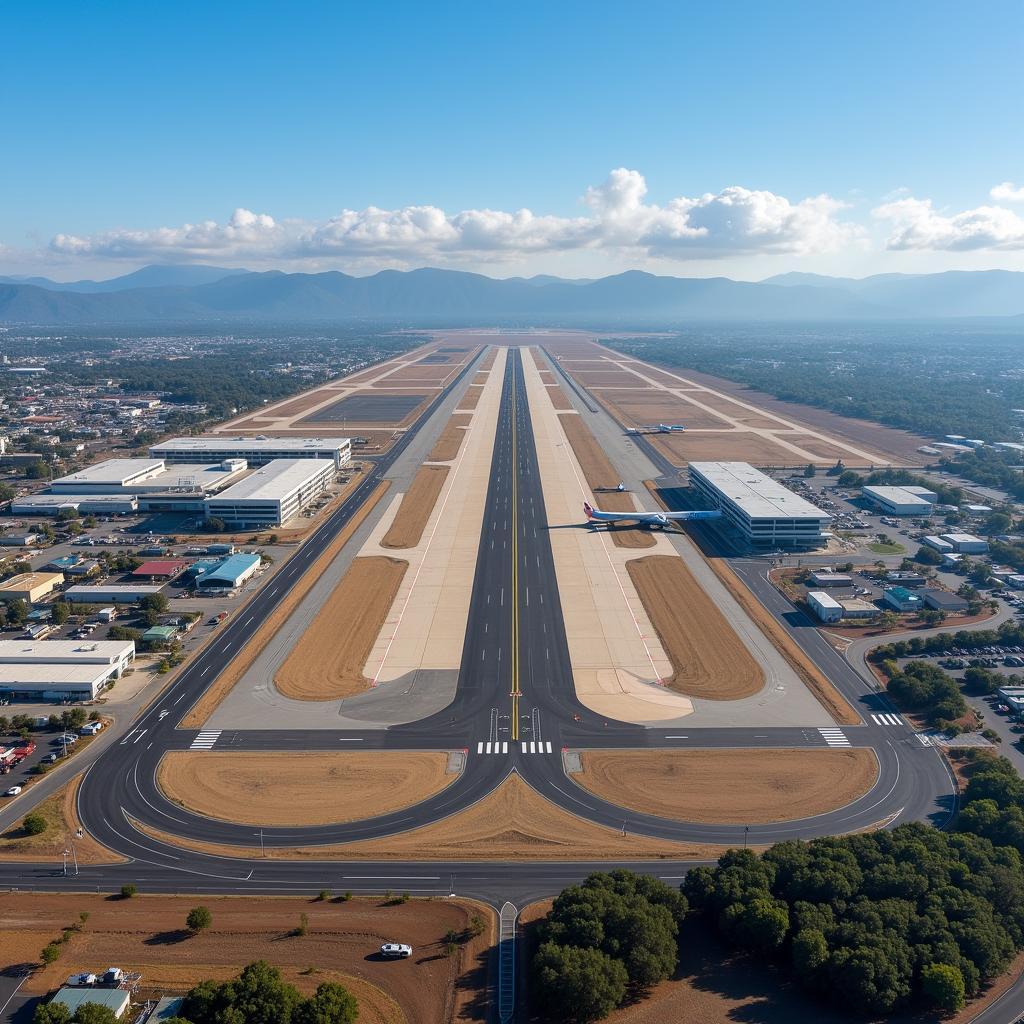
[{"x": 126, "y": 123}]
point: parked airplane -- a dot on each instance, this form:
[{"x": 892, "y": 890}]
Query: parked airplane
[
  {"x": 595, "y": 515},
  {"x": 657, "y": 428}
]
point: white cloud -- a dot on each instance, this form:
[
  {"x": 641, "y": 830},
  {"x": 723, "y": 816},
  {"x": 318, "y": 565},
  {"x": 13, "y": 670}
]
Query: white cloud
[
  {"x": 1007, "y": 192},
  {"x": 917, "y": 224},
  {"x": 619, "y": 220}
]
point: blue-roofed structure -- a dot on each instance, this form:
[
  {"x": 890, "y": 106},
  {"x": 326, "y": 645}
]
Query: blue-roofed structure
[
  {"x": 61, "y": 564},
  {"x": 231, "y": 573},
  {"x": 202, "y": 567}
]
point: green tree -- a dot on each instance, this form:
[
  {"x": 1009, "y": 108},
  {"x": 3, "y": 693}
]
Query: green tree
[
  {"x": 94, "y": 1013},
  {"x": 50, "y": 953},
  {"x": 757, "y": 924},
  {"x": 198, "y": 919},
  {"x": 330, "y": 1004},
  {"x": 34, "y": 824},
  {"x": 944, "y": 985},
  {"x": 155, "y": 602},
  {"x": 578, "y": 984},
  {"x": 17, "y": 612},
  {"x": 51, "y": 1013},
  {"x": 257, "y": 996},
  {"x": 128, "y": 891},
  {"x": 60, "y": 612}
]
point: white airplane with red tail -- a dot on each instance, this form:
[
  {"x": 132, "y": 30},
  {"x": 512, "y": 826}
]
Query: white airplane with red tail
[{"x": 595, "y": 516}]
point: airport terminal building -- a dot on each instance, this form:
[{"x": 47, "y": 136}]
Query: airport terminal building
[
  {"x": 764, "y": 513},
  {"x": 273, "y": 494},
  {"x": 257, "y": 451}
]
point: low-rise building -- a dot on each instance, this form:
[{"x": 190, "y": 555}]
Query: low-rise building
[
  {"x": 898, "y": 501},
  {"x": 114, "y": 475},
  {"x": 85, "y": 504},
  {"x": 940, "y": 545},
  {"x": 857, "y": 608},
  {"x": 61, "y": 669},
  {"x": 1013, "y": 696},
  {"x": 116, "y": 1000},
  {"x": 944, "y": 600},
  {"x": 910, "y": 580},
  {"x": 230, "y": 573},
  {"x": 111, "y": 593},
  {"x": 159, "y": 634},
  {"x": 826, "y": 607},
  {"x": 824, "y": 578},
  {"x": 272, "y": 495},
  {"x": 30, "y": 586},
  {"x": 160, "y": 569},
  {"x": 18, "y": 540},
  {"x": 257, "y": 451},
  {"x": 902, "y": 599},
  {"x": 966, "y": 543}
]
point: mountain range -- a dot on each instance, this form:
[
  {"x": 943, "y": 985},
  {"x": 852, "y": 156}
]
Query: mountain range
[{"x": 202, "y": 293}]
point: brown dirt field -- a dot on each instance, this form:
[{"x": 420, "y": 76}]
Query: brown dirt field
[
  {"x": 62, "y": 820},
  {"x": 327, "y": 662},
  {"x": 547, "y": 376},
  {"x": 733, "y": 787},
  {"x": 146, "y": 934},
  {"x": 824, "y": 451},
  {"x": 302, "y": 404},
  {"x": 225, "y": 682},
  {"x": 447, "y": 446},
  {"x": 736, "y": 445},
  {"x": 513, "y": 823},
  {"x": 885, "y": 441},
  {"x": 633, "y": 408},
  {"x": 481, "y": 377},
  {"x": 611, "y": 378},
  {"x": 659, "y": 375},
  {"x": 434, "y": 374},
  {"x": 308, "y": 788},
  {"x": 471, "y": 398},
  {"x": 417, "y": 505},
  {"x": 600, "y": 473},
  {"x": 488, "y": 361},
  {"x": 710, "y": 660},
  {"x": 559, "y": 399}
]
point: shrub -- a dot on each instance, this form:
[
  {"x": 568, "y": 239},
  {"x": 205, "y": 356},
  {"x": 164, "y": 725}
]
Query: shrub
[
  {"x": 50, "y": 953},
  {"x": 198, "y": 919},
  {"x": 34, "y": 824},
  {"x": 128, "y": 891}
]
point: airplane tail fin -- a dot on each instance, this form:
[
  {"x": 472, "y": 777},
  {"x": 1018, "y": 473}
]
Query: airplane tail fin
[{"x": 588, "y": 509}]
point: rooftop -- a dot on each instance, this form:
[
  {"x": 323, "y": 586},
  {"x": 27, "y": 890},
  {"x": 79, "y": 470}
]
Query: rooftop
[
  {"x": 161, "y": 567},
  {"x": 31, "y": 579},
  {"x": 896, "y": 495},
  {"x": 113, "y": 471},
  {"x": 220, "y": 442},
  {"x": 756, "y": 493},
  {"x": 59, "y": 650},
  {"x": 823, "y": 599},
  {"x": 277, "y": 478},
  {"x": 229, "y": 569}
]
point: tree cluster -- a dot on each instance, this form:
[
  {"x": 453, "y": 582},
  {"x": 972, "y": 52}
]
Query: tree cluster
[
  {"x": 612, "y": 936},
  {"x": 924, "y": 687},
  {"x": 910, "y": 918}
]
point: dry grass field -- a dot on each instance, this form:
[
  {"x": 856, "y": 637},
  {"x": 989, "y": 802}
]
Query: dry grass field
[
  {"x": 240, "y": 664},
  {"x": 61, "y": 823},
  {"x": 559, "y": 399},
  {"x": 417, "y": 504},
  {"x": 513, "y": 822},
  {"x": 735, "y": 445},
  {"x": 327, "y": 662},
  {"x": 308, "y": 788},
  {"x": 636, "y": 408},
  {"x": 710, "y": 660},
  {"x": 729, "y": 787},
  {"x": 450, "y": 440},
  {"x": 147, "y": 934},
  {"x": 600, "y": 475},
  {"x": 471, "y": 397}
]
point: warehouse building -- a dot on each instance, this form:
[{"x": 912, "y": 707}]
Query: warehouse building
[
  {"x": 110, "y": 593},
  {"x": 272, "y": 495},
  {"x": 257, "y": 451},
  {"x": 61, "y": 669},
  {"x": 116, "y": 1000},
  {"x": 112, "y": 476},
  {"x": 857, "y": 608},
  {"x": 966, "y": 543},
  {"x": 940, "y": 545},
  {"x": 902, "y": 599},
  {"x": 766, "y": 514},
  {"x": 230, "y": 573},
  {"x": 85, "y": 504},
  {"x": 900, "y": 501},
  {"x": 824, "y": 578},
  {"x": 160, "y": 569},
  {"x": 944, "y": 601},
  {"x": 30, "y": 586},
  {"x": 826, "y": 607}
]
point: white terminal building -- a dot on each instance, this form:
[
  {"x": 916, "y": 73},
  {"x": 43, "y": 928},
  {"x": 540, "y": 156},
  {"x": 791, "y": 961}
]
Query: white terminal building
[
  {"x": 61, "y": 669},
  {"x": 765, "y": 513},
  {"x": 273, "y": 494},
  {"x": 901, "y": 501},
  {"x": 257, "y": 451}
]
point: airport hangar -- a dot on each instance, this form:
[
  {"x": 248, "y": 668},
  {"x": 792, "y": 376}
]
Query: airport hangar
[
  {"x": 764, "y": 512},
  {"x": 62, "y": 669}
]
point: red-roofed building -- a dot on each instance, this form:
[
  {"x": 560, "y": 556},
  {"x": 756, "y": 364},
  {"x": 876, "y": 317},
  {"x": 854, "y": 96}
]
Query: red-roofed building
[{"x": 161, "y": 568}]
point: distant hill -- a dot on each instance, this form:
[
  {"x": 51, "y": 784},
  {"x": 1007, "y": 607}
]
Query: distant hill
[
  {"x": 145, "y": 277},
  {"x": 431, "y": 295}
]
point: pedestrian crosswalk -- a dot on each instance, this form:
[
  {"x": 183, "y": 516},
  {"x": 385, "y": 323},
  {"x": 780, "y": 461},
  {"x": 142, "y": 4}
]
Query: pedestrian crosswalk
[
  {"x": 526, "y": 746},
  {"x": 205, "y": 739},
  {"x": 834, "y": 737},
  {"x": 885, "y": 719}
]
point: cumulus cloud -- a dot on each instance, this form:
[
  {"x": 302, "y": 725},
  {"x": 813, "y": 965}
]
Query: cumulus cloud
[
  {"x": 618, "y": 218},
  {"x": 1007, "y": 192},
  {"x": 916, "y": 224}
]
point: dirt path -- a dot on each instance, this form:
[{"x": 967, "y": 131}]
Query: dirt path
[
  {"x": 729, "y": 787},
  {"x": 147, "y": 934},
  {"x": 320, "y": 788},
  {"x": 417, "y": 504},
  {"x": 709, "y": 659},
  {"x": 225, "y": 682},
  {"x": 327, "y": 662},
  {"x": 450, "y": 440}
]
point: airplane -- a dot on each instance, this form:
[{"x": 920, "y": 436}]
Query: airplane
[
  {"x": 595, "y": 516},
  {"x": 657, "y": 428}
]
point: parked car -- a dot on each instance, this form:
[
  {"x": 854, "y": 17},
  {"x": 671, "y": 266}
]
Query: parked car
[
  {"x": 15, "y": 790},
  {"x": 394, "y": 949}
]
